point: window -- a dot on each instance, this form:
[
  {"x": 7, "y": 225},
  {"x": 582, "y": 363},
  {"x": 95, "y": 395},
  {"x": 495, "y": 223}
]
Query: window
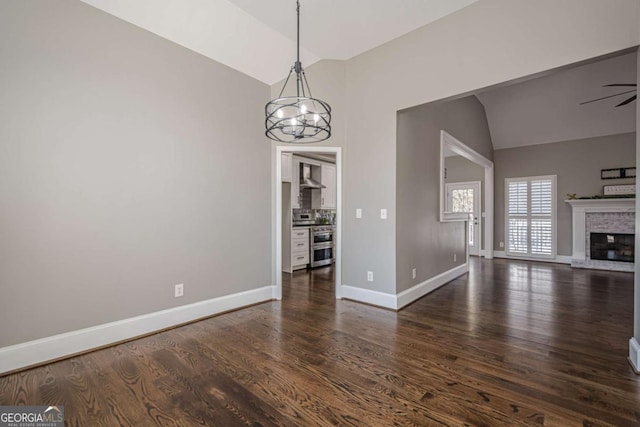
[
  {"x": 530, "y": 206},
  {"x": 461, "y": 200}
]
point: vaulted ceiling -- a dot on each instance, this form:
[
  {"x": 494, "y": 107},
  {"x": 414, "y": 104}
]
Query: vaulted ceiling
[
  {"x": 547, "y": 109},
  {"x": 257, "y": 37}
]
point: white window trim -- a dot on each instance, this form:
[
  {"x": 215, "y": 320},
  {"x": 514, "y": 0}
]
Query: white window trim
[{"x": 554, "y": 219}]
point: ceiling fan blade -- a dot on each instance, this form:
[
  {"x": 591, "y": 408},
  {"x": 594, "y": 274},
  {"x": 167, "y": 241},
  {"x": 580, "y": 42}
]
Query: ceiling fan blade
[
  {"x": 625, "y": 102},
  {"x": 605, "y": 97},
  {"x": 620, "y": 84}
]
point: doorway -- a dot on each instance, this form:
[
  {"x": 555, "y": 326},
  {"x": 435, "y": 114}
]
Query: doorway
[
  {"x": 280, "y": 212},
  {"x": 464, "y": 197},
  {"x": 450, "y": 150}
]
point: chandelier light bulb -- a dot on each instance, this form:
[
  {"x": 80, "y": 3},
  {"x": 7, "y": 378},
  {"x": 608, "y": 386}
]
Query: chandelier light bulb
[
  {"x": 279, "y": 113},
  {"x": 316, "y": 118},
  {"x": 303, "y": 109}
]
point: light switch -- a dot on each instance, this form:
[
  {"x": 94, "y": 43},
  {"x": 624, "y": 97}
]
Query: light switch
[
  {"x": 358, "y": 213},
  {"x": 383, "y": 214}
]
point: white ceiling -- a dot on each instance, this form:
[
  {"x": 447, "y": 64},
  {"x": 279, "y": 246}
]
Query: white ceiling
[
  {"x": 257, "y": 37},
  {"x": 547, "y": 109}
]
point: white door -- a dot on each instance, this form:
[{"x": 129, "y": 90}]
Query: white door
[{"x": 465, "y": 197}]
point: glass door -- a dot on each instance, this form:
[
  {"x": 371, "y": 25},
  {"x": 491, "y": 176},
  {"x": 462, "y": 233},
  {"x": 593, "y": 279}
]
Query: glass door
[{"x": 464, "y": 197}]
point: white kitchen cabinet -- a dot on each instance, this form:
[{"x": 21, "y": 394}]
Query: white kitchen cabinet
[
  {"x": 298, "y": 250},
  {"x": 326, "y": 197},
  {"x": 295, "y": 183},
  {"x": 287, "y": 166},
  {"x": 328, "y": 175}
]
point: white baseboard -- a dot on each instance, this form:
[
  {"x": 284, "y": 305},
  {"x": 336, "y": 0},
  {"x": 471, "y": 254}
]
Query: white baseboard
[
  {"x": 421, "y": 289},
  {"x": 486, "y": 254},
  {"x": 396, "y": 302},
  {"x": 634, "y": 355},
  {"x": 55, "y": 347},
  {"x": 559, "y": 259},
  {"x": 368, "y": 296}
]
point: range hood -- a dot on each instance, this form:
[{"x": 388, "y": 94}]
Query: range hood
[{"x": 305, "y": 177}]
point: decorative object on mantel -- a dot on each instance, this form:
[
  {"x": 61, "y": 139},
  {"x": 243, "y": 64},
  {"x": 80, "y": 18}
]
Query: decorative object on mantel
[
  {"x": 618, "y": 173},
  {"x": 298, "y": 119},
  {"x": 571, "y": 196},
  {"x": 619, "y": 190}
]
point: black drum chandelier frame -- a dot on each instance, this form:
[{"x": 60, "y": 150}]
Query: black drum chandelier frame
[{"x": 299, "y": 119}]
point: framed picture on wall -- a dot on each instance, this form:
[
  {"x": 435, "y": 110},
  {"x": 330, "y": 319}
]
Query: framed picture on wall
[
  {"x": 630, "y": 172},
  {"x": 618, "y": 173}
]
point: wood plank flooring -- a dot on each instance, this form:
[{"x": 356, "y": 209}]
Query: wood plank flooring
[{"x": 511, "y": 343}]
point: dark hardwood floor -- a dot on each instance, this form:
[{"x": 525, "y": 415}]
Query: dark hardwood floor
[{"x": 512, "y": 343}]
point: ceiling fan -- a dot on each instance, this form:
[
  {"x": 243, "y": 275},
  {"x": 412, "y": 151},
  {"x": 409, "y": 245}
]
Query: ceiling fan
[{"x": 626, "y": 101}]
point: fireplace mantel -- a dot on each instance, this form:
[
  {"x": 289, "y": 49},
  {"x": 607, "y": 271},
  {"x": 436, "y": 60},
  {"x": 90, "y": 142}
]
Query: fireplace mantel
[
  {"x": 604, "y": 205},
  {"x": 581, "y": 207}
]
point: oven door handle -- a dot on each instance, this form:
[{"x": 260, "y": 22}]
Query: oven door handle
[
  {"x": 322, "y": 233},
  {"x": 327, "y": 245}
]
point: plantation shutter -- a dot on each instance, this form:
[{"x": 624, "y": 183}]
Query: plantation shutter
[
  {"x": 530, "y": 222},
  {"x": 518, "y": 225}
]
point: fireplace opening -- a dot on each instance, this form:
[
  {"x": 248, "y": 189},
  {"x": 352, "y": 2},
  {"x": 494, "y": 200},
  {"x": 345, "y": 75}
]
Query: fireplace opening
[{"x": 613, "y": 247}]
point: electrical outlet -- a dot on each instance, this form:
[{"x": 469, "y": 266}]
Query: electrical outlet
[
  {"x": 413, "y": 272},
  {"x": 369, "y": 276},
  {"x": 358, "y": 213},
  {"x": 502, "y": 244},
  {"x": 455, "y": 257},
  {"x": 383, "y": 214},
  {"x": 179, "y": 290}
]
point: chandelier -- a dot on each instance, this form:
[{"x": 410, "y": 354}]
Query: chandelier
[{"x": 298, "y": 119}]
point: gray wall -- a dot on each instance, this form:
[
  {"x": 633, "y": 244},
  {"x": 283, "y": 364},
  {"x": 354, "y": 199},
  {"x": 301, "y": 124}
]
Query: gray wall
[
  {"x": 460, "y": 169},
  {"x": 577, "y": 165},
  {"x": 422, "y": 241},
  {"x": 127, "y": 164}
]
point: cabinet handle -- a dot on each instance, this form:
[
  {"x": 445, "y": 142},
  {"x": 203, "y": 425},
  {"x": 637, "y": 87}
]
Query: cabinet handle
[
  {"x": 300, "y": 244},
  {"x": 300, "y": 257}
]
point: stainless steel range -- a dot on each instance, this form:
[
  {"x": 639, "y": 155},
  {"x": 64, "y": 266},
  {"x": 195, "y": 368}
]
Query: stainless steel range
[{"x": 322, "y": 245}]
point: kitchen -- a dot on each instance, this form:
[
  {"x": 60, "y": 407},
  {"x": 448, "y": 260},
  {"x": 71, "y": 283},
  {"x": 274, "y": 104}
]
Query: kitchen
[{"x": 308, "y": 212}]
